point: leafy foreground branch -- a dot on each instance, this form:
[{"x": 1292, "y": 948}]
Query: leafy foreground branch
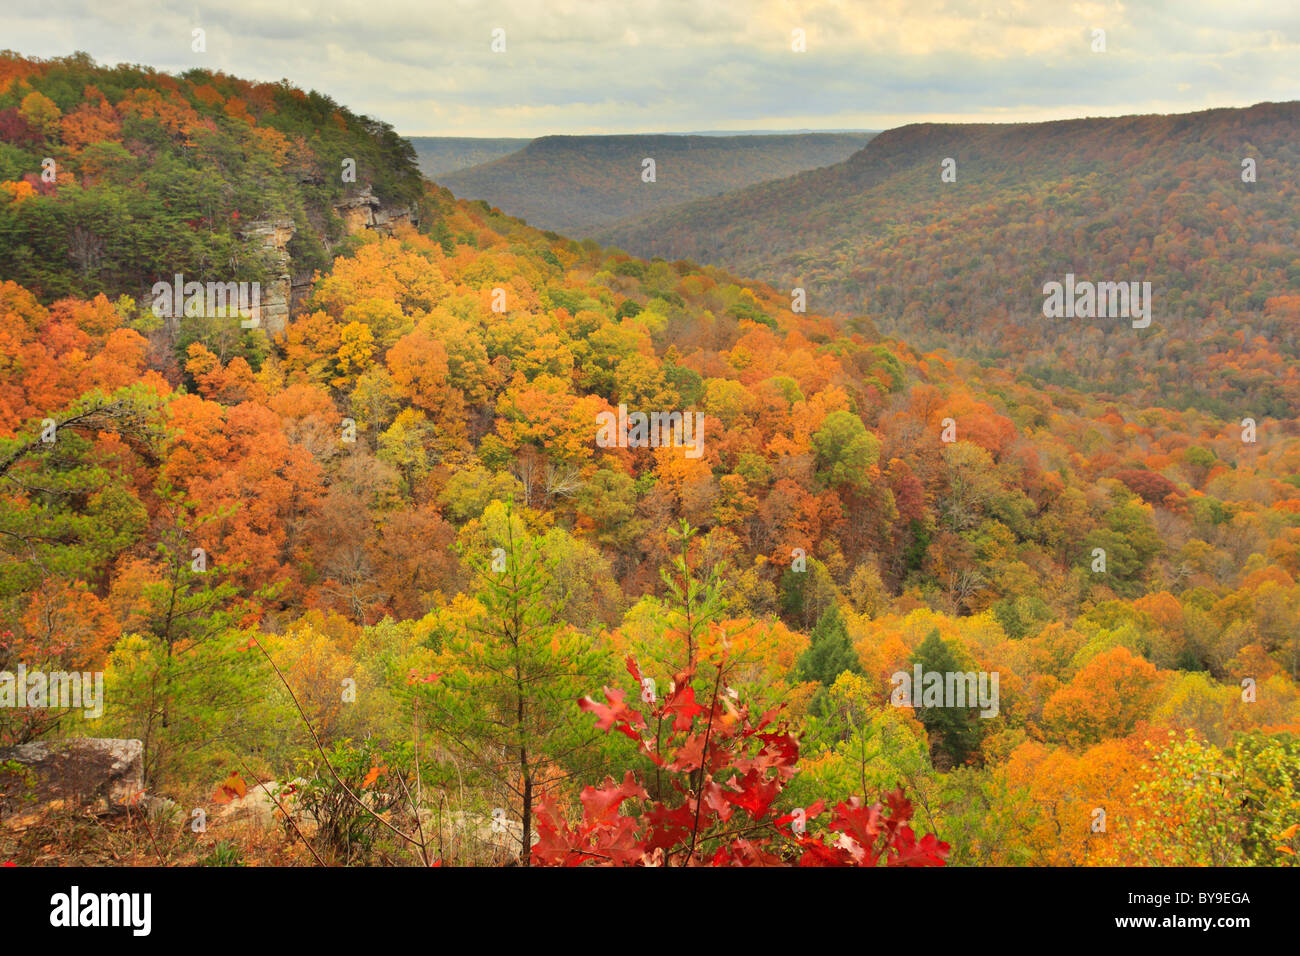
[{"x": 728, "y": 772}]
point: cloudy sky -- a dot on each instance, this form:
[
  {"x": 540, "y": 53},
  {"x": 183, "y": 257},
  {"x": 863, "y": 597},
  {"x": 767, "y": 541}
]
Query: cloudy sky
[{"x": 582, "y": 66}]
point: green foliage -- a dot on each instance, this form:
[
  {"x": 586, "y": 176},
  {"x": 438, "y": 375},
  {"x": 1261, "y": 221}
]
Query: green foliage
[
  {"x": 694, "y": 600},
  {"x": 383, "y": 780},
  {"x": 845, "y": 451},
  {"x": 851, "y": 744},
  {"x": 505, "y": 703},
  {"x": 188, "y": 176},
  {"x": 955, "y": 732},
  {"x": 1195, "y": 817},
  {"x": 831, "y": 653},
  {"x": 223, "y": 853},
  {"x": 1268, "y": 785},
  {"x": 78, "y": 514}
]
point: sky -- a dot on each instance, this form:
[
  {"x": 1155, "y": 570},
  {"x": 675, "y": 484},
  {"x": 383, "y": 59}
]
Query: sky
[{"x": 578, "y": 66}]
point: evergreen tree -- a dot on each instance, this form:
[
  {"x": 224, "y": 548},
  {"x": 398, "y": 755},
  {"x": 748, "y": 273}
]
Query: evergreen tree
[
  {"x": 955, "y": 732},
  {"x": 180, "y": 679},
  {"x": 831, "y": 653},
  {"x": 506, "y": 703},
  {"x": 694, "y": 600}
]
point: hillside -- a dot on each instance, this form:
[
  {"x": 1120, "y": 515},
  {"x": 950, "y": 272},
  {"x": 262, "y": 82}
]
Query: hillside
[
  {"x": 439, "y": 155},
  {"x": 576, "y": 185},
  {"x": 398, "y": 548},
  {"x": 962, "y": 265},
  {"x": 205, "y": 175}
]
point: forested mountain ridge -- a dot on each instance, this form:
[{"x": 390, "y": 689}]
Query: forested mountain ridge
[
  {"x": 439, "y": 155},
  {"x": 961, "y": 265},
  {"x": 377, "y": 497},
  {"x": 154, "y": 175},
  {"x": 576, "y": 185}
]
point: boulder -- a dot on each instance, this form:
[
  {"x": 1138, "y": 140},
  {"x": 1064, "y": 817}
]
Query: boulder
[
  {"x": 102, "y": 774},
  {"x": 257, "y": 807}
]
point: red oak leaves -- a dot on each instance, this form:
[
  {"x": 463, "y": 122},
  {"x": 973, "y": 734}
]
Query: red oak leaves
[{"x": 719, "y": 777}]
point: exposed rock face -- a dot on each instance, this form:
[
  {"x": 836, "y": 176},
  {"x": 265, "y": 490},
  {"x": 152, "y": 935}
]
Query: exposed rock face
[
  {"x": 502, "y": 835},
  {"x": 102, "y": 774},
  {"x": 365, "y": 211},
  {"x": 359, "y": 213},
  {"x": 284, "y": 290},
  {"x": 274, "y": 234}
]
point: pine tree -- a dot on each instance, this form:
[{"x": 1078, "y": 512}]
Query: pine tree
[
  {"x": 830, "y": 653},
  {"x": 179, "y": 678},
  {"x": 506, "y": 703},
  {"x": 694, "y": 600},
  {"x": 954, "y": 732}
]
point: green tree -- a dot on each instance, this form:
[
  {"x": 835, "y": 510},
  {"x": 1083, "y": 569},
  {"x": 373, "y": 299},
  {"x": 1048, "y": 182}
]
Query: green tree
[
  {"x": 1268, "y": 782},
  {"x": 505, "y": 702},
  {"x": 608, "y": 499},
  {"x": 831, "y": 653},
  {"x": 67, "y": 515},
  {"x": 954, "y": 732},
  {"x": 845, "y": 451},
  {"x": 180, "y": 680},
  {"x": 693, "y": 601}
]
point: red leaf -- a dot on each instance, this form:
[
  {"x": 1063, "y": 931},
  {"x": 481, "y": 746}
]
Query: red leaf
[
  {"x": 756, "y": 794},
  {"x": 681, "y": 703},
  {"x": 232, "y": 788},
  {"x": 861, "y": 824},
  {"x": 600, "y": 806},
  {"x": 907, "y": 852},
  {"x": 690, "y": 755},
  {"x": 629, "y": 721}
]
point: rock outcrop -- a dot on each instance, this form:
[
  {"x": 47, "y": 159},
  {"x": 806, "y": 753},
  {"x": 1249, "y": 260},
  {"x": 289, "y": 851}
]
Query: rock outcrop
[
  {"x": 262, "y": 802},
  {"x": 277, "y": 290},
  {"x": 366, "y": 211},
  {"x": 286, "y": 290},
  {"x": 101, "y": 774},
  {"x": 286, "y": 286}
]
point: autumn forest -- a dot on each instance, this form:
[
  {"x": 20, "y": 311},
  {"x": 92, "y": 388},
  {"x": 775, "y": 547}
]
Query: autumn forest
[{"x": 414, "y": 565}]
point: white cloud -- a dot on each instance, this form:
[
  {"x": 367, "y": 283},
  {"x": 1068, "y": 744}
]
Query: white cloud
[{"x": 619, "y": 66}]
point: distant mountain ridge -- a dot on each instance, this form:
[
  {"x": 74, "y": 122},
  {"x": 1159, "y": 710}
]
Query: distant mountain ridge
[
  {"x": 961, "y": 265},
  {"x": 576, "y": 185},
  {"x": 439, "y": 155}
]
